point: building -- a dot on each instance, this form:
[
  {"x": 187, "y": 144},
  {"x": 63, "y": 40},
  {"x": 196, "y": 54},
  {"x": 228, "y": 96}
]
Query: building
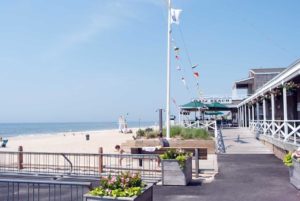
[
  {"x": 272, "y": 109},
  {"x": 256, "y": 79}
]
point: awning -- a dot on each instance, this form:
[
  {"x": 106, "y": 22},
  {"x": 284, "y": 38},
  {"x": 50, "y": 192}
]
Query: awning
[{"x": 193, "y": 105}]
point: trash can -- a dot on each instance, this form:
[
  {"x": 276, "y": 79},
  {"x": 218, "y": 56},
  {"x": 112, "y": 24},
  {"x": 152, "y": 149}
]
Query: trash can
[{"x": 87, "y": 137}]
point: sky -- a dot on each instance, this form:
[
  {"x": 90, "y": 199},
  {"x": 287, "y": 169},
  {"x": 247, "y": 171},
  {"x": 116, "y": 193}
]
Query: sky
[{"x": 76, "y": 60}]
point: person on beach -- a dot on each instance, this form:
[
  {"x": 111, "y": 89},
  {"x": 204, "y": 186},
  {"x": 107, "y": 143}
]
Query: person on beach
[
  {"x": 121, "y": 124},
  {"x": 120, "y": 151}
]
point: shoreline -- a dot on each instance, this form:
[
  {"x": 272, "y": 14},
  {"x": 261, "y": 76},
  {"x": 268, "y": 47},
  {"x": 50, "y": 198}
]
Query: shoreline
[{"x": 71, "y": 142}]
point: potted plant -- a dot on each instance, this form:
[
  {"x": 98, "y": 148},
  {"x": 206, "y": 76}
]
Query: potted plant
[
  {"x": 122, "y": 187},
  {"x": 176, "y": 167},
  {"x": 292, "y": 160}
]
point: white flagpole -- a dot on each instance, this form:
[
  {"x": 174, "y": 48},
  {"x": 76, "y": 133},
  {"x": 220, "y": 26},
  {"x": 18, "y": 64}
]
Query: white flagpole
[{"x": 168, "y": 71}]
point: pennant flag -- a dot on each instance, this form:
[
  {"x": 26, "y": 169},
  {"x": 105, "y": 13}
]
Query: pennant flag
[
  {"x": 194, "y": 66},
  {"x": 176, "y": 49},
  {"x": 175, "y": 14},
  {"x": 178, "y": 68},
  {"x": 196, "y": 74},
  {"x": 177, "y": 57},
  {"x": 183, "y": 81}
]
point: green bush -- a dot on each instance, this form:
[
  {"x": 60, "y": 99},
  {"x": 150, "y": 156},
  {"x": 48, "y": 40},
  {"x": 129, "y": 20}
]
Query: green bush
[
  {"x": 287, "y": 160},
  {"x": 152, "y": 134},
  {"x": 188, "y": 133},
  {"x": 178, "y": 155},
  {"x": 148, "y": 130},
  {"x": 140, "y": 133}
]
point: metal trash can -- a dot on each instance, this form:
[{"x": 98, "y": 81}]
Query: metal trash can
[{"x": 87, "y": 137}]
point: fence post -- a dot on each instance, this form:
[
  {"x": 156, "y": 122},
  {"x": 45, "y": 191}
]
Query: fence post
[
  {"x": 100, "y": 151},
  {"x": 197, "y": 162},
  {"x": 20, "y": 158}
]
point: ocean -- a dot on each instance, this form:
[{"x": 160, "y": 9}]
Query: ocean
[{"x": 16, "y": 129}]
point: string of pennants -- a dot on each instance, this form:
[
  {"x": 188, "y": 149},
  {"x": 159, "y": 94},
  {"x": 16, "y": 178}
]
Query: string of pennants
[{"x": 175, "y": 14}]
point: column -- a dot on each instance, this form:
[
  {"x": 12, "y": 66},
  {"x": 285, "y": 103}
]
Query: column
[
  {"x": 253, "y": 116},
  {"x": 249, "y": 116},
  {"x": 273, "y": 112},
  {"x": 245, "y": 115},
  {"x": 285, "y": 118},
  {"x": 264, "y": 116},
  {"x": 257, "y": 111}
]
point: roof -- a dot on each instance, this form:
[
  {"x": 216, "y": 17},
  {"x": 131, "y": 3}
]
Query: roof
[
  {"x": 290, "y": 72},
  {"x": 246, "y": 81},
  {"x": 266, "y": 70}
]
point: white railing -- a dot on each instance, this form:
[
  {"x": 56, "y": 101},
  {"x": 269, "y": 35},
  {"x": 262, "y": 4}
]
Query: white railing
[
  {"x": 285, "y": 131},
  {"x": 201, "y": 124}
]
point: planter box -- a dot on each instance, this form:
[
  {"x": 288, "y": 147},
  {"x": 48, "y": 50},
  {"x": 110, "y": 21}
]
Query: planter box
[
  {"x": 145, "y": 196},
  {"x": 295, "y": 174},
  {"x": 173, "y": 175}
]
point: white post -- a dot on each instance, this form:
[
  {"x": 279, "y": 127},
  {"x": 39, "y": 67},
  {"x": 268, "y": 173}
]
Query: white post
[
  {"x": 264, "y": 116},
  {"x": 257, "y": 111},
  {"x": 168, "y": 72},
  {"x": 285, "y": 117},
  {"x": 273, "y": 112},
  {"x": 242, "y": 116},
  {"x": 252, "y": 108},
  {"x": 249, "y": 116},
  {"x": 245, "y": 116}
]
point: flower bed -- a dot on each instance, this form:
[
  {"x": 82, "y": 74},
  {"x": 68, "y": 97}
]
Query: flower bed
[{"x": 122, "y": 187}]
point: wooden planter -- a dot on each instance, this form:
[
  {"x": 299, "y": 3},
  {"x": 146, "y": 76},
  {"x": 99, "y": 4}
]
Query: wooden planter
[
  {"x": 145, "y": 196},
  {"x": 173, "y": 175},
  {"x": 295, "y": 174}
]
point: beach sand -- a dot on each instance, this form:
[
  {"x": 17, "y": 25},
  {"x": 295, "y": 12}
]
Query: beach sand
[{"x": 70, "y": 142}]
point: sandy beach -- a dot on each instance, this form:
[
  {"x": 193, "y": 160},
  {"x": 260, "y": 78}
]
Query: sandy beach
[{"x": 72, "y": 142}]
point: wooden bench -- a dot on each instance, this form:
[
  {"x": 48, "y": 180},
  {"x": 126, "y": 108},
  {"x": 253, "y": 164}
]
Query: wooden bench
[{"x": 202, "y": 152}]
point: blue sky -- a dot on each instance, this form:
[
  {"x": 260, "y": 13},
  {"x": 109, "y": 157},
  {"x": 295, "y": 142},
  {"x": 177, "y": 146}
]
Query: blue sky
[{"x": 64, "y": 61}]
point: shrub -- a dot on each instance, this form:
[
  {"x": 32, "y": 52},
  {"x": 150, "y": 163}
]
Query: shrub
[
  {"x": 148, "y": 130},
  {"x": 178, "y": 155},
  {"x": 188, "y": 133},
  {"x": 140, "y": 133},
  {"x": 152, "y": 134},
  {"x": 287, "y": 160}
]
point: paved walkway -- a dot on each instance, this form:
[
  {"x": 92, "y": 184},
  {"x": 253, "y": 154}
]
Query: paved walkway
[
  {"x": 242, "y": 177},
  {"x": 242, "y": 141},
  {"x": 247, "y": 172}
]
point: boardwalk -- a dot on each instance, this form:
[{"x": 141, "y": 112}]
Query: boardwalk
[
  {"x": 242, "y": 141},
  {"x": 247, "y": 172}
]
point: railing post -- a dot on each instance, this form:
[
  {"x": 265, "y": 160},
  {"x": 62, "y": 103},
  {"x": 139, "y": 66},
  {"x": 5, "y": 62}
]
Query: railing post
[
  {"x": 197, "y": 162},
  {"x": 20, "y": 158},
  {"x": 100, "y": 152}
]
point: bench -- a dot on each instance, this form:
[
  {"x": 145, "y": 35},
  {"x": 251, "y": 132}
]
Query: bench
[{"x": 202, "y": 152}]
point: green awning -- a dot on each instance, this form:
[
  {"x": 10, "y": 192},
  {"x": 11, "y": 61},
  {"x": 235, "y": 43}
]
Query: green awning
[
  {"x": 214, "y": 113},
  {"x": 217, "y": 105},
  {"x": 193, "y": 105}
]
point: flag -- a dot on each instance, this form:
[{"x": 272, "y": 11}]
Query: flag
[
  {"x": 178, "y": 68},
  {"x": 177, "y": 57},
  {"x": 176, "y": 49},
  {"x": 183, "y": 81},
  {"x": 196, "y": 74},
  {"x": 175, "y": 13},
  {"x": 194, "y": 66}
]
